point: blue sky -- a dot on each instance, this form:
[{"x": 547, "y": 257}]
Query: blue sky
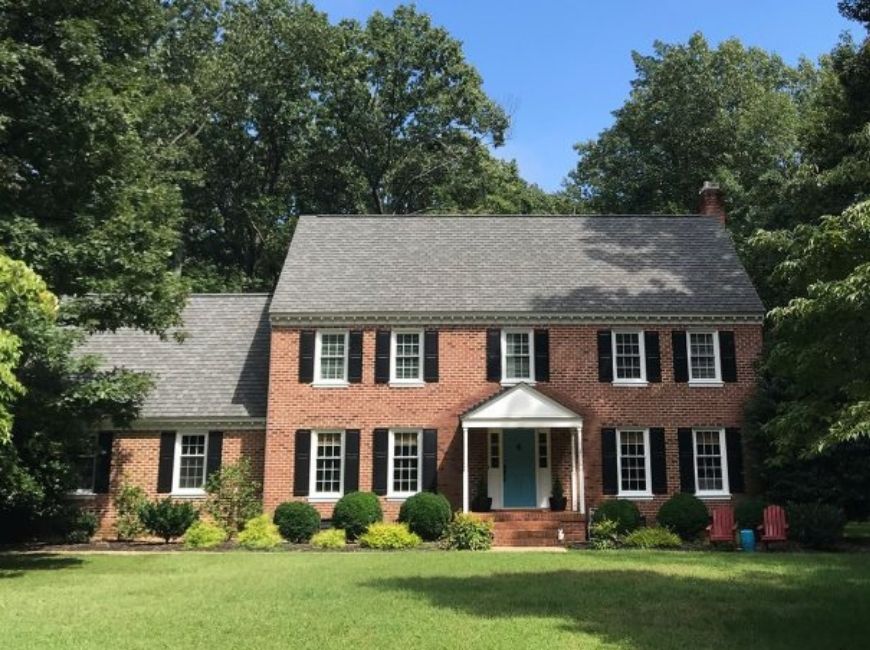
[{"x": 561, "y": 67}]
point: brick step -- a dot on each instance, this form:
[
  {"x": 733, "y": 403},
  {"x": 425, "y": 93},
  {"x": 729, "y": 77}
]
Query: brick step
[
  {"x": 527, "y": 542},
  {"x": 522, "y": 533},
  {"x": 535, "y": 515},
  {"x": 538, "y": 524}
]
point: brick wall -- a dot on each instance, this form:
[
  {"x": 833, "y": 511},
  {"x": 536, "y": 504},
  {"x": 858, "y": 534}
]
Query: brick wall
[{"x": 462, "y": 373}]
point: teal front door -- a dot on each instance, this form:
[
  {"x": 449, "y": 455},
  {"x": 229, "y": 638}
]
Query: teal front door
[{"x": 519, "y": 468}]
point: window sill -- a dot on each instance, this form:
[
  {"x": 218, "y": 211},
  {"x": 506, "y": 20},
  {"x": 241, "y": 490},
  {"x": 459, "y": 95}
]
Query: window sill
[
  {"x": 81, "y": 494},
  {"x": 638, "y": 384},
  {"x": 188, "y": 495},
  {"x": 635, "y": 497},
  {"x": 396, "y": 498},
  {"x": 706, "y": 384},
  {"x": 330, "y": 384},
  {"x": 407, "y": 384},
  {"x": 323, "y": 499},
  {"x": 514, "y": 382},
  {"x": 712, "y": 496}
]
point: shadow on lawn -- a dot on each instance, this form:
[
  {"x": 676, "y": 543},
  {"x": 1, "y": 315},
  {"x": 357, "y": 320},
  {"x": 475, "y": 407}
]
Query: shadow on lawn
[
  {"x": 16, "y": 565},
  {"x": 648, "y": 609}
]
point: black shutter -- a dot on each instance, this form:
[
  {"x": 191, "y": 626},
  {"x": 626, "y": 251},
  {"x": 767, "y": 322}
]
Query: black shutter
[
  {"x": 306, "y": 356},
  {"x": 681, "y": 358},
  {"x": 493, "y": 355},
  {"x": 351, "y": 460},
  {"x": 734, "y": 446},
  {"x": 215, "y": 449},
  {"x": 103, "y": 462},
  {"x": 379, "y": 461},
  {"x": 653, "y": 357},
  {"x": 430, "y": 356},
  {"x": 605, "y": 357},
  {"x": 430, "y": 460},
  {"x": 301, "y": 462},
  {"x": 609, "y": 476},
  {"x": 542, "y": 355},
  {"x": 658, "y": 461},
  {"x": 685, "y": 446},
  {"x": 727, "y": 356},
  {"x": 354, "y": 357},
  {"x": 382, "y": 356},
  {"x": 165, "y": 461}
]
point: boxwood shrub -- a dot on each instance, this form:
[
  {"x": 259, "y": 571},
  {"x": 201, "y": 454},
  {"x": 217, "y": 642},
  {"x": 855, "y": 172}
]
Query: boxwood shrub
[
  {"x": 426, "y": 514},
  {"x": 355, "y": 512},
  {"x": 204, "y": 534},
  {"x": 259, "y": 533},
  {"x": 624, "y": 513},
  {"x": 685, "y": 514},
  {"x": 297, "y": 521},
  {"x": 389, "y": 537},
  {"x": 168, "y": 519}
]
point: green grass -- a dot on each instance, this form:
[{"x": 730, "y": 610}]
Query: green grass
[
  {"x": 858, "y": 531},
  {"x": 431, "y": 599}
]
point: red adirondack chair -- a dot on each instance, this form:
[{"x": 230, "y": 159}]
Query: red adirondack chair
[
  {"x": 775, "y": 526},
  {"x": 723, "y": 527}
]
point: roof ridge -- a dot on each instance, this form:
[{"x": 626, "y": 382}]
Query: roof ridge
[{"x": 507, "y": 216}]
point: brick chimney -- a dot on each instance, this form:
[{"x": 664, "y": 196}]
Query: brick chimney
[{"x": 711, "y": 201}]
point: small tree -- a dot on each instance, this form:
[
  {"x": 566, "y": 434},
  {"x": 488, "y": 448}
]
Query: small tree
[
  {"x": 233, "y": 496},
  {"x": 128, "y": 503}
]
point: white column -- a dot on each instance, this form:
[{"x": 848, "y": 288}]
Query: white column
[
  {"x": 464, "y": 469},
  {"x": 581, "y": 474},
  {"x": 574, "y": 499}
]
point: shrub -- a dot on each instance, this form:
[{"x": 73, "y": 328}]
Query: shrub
[
  {"x": 167, "y": 519},
  {"x": 604, "y": 534},
  {"x": 233, "y": 496},
  {"x": 624, "y": 513},
  {"x": 817, "y": 525},
  {"x": 297, "y": 521},
  {"x": 332, "y": 538},
  {"x": 259, "y": 533},
  {"x": 80, "y": 527},
  {"x": 467, "y": 533},
  {"x": 389, "y": 536},
  {"x": 426, "y": 514},
  {"x": 128, "y": 503},
  {"x": 204, "y": 534},
  {"x": 355, "y": 512},
  {"x": 684, "y": 514},
  {"x": 652, "y": 537},
  {"x": 749, "y": 513}
]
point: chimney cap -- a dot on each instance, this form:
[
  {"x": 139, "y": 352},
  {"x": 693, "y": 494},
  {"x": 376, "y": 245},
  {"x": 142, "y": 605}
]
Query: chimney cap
[{"x": 709, "y": 186}]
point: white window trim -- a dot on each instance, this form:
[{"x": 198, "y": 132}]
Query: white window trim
[
  {"x": 318, "y": 345},
  {"x": 391, "y": 494},
  {"x": 418, "y": 381},
  {"x": 313, "y": 494},
  {"x": 726, "y": 489},
  {"x": 647, "y": 493},
  {"x": 517, "y": 380},
  {"x": 642, "y": 380},
  {"x": 717, "y": 381},
  {"x": 176, "y": 465}
]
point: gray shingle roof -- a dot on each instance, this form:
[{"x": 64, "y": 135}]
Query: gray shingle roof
[
  {"x": 220, "y": 370},
  {"x": 648, "y": 265}
]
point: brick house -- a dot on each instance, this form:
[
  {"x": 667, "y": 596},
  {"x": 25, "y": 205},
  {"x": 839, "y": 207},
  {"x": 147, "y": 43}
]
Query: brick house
[{"x": 480, "y": 356}]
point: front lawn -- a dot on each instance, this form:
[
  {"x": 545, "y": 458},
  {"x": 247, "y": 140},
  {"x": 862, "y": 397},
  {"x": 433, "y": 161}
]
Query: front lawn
[{"x": 430, "y": 599}]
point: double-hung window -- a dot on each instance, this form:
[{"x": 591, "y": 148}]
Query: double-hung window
[
  {"x": 406, "y": 357},
  {"x": 188, "y": 476},
  {"x": 629, "y": 362},
  {"x": 518, "y": 358},
  {"x": 703, "y": 353},
  {"x": 330, "y": 357},
  {"x": 327, "y": 464},
  {"x": 711, "y": 462},
  {"x": 85, "y": 467},
  {"x": 633, "y": 459},
  {"x": 405, "y": 462}
]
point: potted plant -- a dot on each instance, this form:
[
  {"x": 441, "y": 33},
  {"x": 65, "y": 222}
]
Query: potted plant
[
  {"x": 558, "y": 502},
  {"x": 481, "y": 502}
]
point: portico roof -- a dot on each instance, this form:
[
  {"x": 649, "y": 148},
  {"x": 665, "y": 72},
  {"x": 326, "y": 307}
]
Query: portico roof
[{"x": 520, "y": 406}]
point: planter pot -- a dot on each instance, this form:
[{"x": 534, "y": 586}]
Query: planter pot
[
  {"x": 747, "y": 539},
  {"x": 481, "y": 504},
  {"x": 558, "y": 504}
]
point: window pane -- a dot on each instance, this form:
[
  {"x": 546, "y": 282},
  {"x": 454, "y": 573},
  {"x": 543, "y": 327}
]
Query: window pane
[
  {"x": 332, "y": 350},
  {"x": 84, "y": 472},
  {"x": 494, "y": 456},
  {"x": 628, "y": 362},
  {"x": 191, "y": 463},
  {"x": 708, "y": 454},
  {"x": 405, "y": 462},
  {"x": 632, "y": 453},
  {"x": 408, "y": 355},
  {"x": 542, "y": 450},
  {"x": 328, "y": 464},
  {"x": 517, "y": 355},
  {"x": 702, "y": 354}
]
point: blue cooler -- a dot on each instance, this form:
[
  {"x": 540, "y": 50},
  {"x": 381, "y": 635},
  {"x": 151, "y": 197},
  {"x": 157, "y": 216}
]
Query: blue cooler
[{"x": 747, "y": 540}]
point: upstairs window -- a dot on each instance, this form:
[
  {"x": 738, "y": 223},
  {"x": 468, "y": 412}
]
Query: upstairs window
[
  {"x": 628, "y": 357},
  {"x": 190, "y": 465},
  {"x": 327, "y": 478},
  {"x": 703, "y": 353},
  {"x": 517, "y": 356},
  {"x": 710, "y": 462},
  {"x": 330, "y": 357},
  {"x": 407, "y": 356}
]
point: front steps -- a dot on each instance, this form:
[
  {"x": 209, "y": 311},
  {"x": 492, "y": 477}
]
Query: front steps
[{"x": 536, "y": 527}]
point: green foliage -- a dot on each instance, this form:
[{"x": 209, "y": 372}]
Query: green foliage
[
  {"x": 467, "y": 532},
  {"x": 128, "y": 501},
  {"x": 297, "y": 521},
  {"x": 557, "y": 491},
  {"x": 685, "y": 514},
  {"x": 427, "y": 514},
  {"x": 604, "y": 534},
  {"x": 233, "y": 496},
  {"x": 168, "y": 519},
  {"x": 623, "y": 512},
  {"x": 817, "y": 525},
  {"x": 749, "y": 512},
  {"x": 78, "y": 526},
  {"x": 355, "y": 512},
  {"x": 652, "y": 537},
  {"x": 332, "y": 538},
  {"x": 389, "y": 537},
  {"x": 260, "y": 534},
  {"x": 204, "y": 534}
]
